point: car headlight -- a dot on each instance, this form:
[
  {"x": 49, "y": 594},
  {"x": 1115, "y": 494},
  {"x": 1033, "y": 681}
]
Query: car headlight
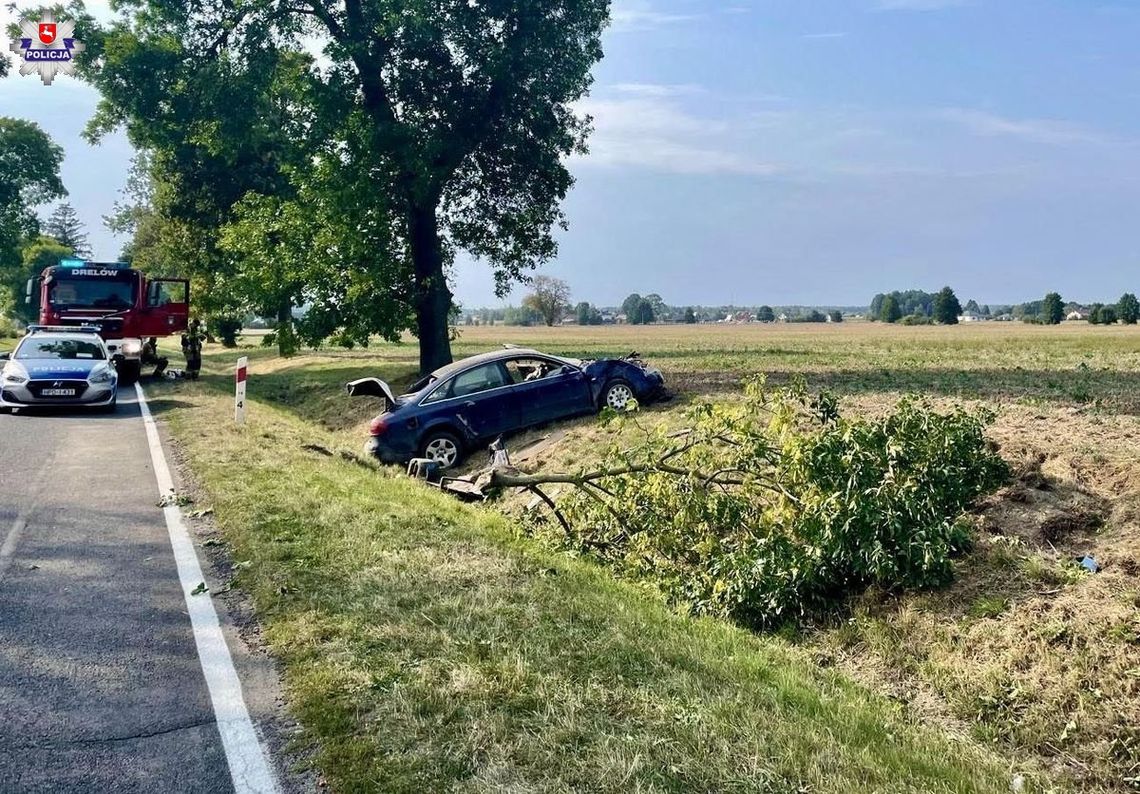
[
  {"x": 132, "y": 347},
  {"x": 102, "y": 375},
  {"x": 15, "y": 375}
]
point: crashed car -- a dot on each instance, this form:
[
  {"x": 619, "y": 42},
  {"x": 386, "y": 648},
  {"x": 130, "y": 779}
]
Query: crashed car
[{"x": 468, "y": 404}]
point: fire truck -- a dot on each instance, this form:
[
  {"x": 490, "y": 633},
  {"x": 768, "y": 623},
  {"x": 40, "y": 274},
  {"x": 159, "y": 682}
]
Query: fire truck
[{"x": 126, "y": 306}]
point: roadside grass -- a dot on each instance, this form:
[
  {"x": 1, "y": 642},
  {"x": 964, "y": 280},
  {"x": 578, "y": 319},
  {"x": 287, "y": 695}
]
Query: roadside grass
[{"x": 426, "y": 647}]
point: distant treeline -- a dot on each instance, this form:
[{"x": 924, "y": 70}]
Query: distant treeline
[
  {"x": 660, "y": 312},
  {"x": 914, "y": 306}
]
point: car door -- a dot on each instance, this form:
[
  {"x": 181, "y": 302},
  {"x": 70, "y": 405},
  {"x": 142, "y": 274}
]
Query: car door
[
  {"x": 481, "y": 402},
  {"x": 167, "y": 307},
  {"x": 548, "y": 389}
]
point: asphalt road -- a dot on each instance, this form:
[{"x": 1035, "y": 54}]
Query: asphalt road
[{"x": 100, "y": 684}]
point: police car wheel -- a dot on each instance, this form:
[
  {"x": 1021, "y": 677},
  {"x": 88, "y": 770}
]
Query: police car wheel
[{"x": 129, "y": 372}]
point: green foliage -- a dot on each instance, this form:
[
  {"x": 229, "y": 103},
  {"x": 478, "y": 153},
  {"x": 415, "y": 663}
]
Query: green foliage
[
  {"x": 1128, "y": 307},
  {"x": 835, "y": 316},
  {"x": 777, "y": 506},
  {"x": 690, "y": 316},
  {"x": 1052, "y": 309},
  {"x": 766, "y": 315},
  {"x": 588, "y": 314},
  {"x": 35, "y": 255},
  {"x": 29, "y": 177},
  {"x": 64, "y": 225},
  {"x": 916, "y": 319},
  {"x": 431, "y": 128},
  {"x": 889, "y": 310},
  {"x": 947, "y": 309},
  {"x": 549, "y": 298},
  {"x": 911, "y": 301}
]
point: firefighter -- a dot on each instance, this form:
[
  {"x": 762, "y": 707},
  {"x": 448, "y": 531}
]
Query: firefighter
[
  {"x": 192, "y": 349},
  {"x": 151, "y": 358}
]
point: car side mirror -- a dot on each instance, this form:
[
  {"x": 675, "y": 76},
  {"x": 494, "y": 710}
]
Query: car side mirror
[{"x": 567, "y": 369}]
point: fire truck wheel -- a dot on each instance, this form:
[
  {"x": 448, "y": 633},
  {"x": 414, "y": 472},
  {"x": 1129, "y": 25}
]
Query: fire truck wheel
[{"x": 129, "y": 372}]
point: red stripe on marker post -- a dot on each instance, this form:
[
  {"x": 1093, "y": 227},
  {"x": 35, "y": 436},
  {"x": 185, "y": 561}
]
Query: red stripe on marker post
[{"x": 240, "y": 376}]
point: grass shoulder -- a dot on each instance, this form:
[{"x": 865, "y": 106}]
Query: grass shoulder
[{"x": 426, "y": 647}]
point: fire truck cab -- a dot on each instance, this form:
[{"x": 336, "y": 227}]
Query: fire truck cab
[{"x": 127, "y": 306}]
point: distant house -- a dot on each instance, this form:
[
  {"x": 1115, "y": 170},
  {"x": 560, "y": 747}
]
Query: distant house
[
  {"x": 1077, "y": 315},
  {"x": 970, "y": 317},
  {"x": 783, "y": 318},
  {"x": 1004, "y": 318}
]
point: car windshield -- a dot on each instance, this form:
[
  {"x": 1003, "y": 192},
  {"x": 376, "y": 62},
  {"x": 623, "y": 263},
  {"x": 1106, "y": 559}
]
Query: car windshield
[
  {"x": 92, "y": 293},
  {"x": 60, "y": 349}
]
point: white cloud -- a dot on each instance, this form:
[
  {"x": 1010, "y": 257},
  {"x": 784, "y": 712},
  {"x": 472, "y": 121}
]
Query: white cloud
[
  {"x": 640, "y": 15},
  {"x": 653, "y": 134},
  {"x": 658, "y": 89},
  {"x": 1050, "y": 131}
]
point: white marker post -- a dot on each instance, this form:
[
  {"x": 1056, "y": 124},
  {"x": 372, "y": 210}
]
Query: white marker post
[{"x": 239, "y": 389}]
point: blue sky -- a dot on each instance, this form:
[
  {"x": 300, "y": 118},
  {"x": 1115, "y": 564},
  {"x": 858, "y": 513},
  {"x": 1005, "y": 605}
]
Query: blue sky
[{"x": 784, "y": 151}]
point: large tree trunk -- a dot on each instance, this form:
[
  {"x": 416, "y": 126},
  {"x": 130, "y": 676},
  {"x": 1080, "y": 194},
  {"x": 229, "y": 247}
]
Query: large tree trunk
[
  {"x": 432, "y": 297},
  {"x": 285, "y": 343}
]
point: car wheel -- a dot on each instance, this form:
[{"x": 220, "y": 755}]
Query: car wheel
[
  {"x": 617, "y": 395},
  {"x": 442, "y": 447},
  {"x": 129, "y": 372}
]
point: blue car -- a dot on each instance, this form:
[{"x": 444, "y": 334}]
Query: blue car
[
  {"x": 468, "y": 404},
  {"x": 58, "y": 366}
]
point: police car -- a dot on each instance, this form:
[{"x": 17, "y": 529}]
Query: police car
[{"x": 58, "y": 365}]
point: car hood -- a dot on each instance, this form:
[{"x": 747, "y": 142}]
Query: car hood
[{"x": 48, "y": 369}]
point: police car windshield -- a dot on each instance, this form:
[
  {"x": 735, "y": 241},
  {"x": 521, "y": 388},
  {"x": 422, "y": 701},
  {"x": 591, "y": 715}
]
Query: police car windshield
[
  {"x": 92, "y": 293},
  {"x": 60, "y": 349}
]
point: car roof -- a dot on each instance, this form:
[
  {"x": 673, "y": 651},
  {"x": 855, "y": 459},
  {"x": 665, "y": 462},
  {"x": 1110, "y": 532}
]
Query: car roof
[{"x": 487, "y": 358}]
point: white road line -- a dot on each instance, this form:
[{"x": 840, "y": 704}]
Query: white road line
[
  {"x": 9, "y": 547},
  {"x": 248, "y": 764}
]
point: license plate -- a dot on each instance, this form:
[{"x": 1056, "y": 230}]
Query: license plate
[{"x": 58, "y": 392}]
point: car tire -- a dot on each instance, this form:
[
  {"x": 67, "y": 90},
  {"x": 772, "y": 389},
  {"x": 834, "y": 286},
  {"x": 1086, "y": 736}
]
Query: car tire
[
  {"x": 129, "y": 372},
  {"x": 617, "y": 394},
  {"x": 443, "y": 447}
]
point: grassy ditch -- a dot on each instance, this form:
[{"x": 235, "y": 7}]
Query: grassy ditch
[{"x": 425, "y": 647}]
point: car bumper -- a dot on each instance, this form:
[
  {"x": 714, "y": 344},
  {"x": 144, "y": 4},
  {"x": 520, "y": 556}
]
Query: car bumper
[
  {"x": 20, "y": 396},
  {"x": 385, "y": 454}
]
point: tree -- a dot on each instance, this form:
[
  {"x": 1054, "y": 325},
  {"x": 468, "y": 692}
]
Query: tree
[
  {"x": 1094, "y": 313},
  {"x": 1128, "y": 308},
  {"x": 631, "y": 307},
  {"x": 37, "y": 254},
  {"x": 455, "y": 120},
  {"x": 1052, "y": 309},
  {"x": 972, "y": 306},
  {"x": 65, "y": 227},
  {"x": 890, "y": 311},
  {"x": 765, "y": 315},
  {"x": 835, "y": 316},
  {"x": 29, "y": 177},
  {"x": 548, "y": 298},
  {"x": 643, "y": 314},
  {"x": 1108, "y": 315},
  {"x": 947, "y": 309},
  {"x": 690, "y": 316},
  {"x": 587, "y": 314}
]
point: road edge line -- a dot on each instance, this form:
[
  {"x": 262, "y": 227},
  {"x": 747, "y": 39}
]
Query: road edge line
[{"x": 249, "y": 765}]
